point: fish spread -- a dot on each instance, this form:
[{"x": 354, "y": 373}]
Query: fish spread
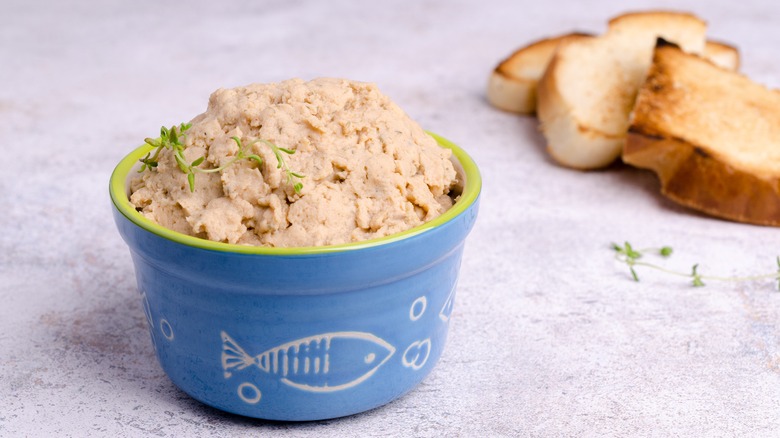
[{"x": 368, "y": 169}]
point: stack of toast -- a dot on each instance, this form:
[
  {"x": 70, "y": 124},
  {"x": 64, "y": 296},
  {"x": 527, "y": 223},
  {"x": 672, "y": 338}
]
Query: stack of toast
[{"x": 655, "y": 92}]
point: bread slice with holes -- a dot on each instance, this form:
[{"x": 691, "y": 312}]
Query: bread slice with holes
[
  {"x": 711, "y": 135},
  {"x": 587, "y": 91},
  {"x": 512, "y": 84}
]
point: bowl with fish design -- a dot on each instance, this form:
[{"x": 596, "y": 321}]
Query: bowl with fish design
[{"x": 298, "y": 334}]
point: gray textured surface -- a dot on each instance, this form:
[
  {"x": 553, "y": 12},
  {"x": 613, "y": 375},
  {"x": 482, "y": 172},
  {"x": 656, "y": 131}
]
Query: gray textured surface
[{"x": 549, "y": 336}]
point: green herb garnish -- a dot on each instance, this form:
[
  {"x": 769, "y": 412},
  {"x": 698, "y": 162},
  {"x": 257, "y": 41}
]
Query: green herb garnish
[
  {"x": 171, "y": 138},
  {"x": 292, "y": 177},
  {"x": 630, "y": 256}
]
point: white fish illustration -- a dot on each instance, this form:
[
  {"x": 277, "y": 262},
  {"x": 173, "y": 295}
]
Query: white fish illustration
[{"x": 322, "y": 363}]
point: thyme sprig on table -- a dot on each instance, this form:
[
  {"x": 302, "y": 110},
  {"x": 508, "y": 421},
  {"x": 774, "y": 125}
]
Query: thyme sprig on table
[
  {"x": 172, "y": 139},
  {"x": 631, "y": 257}
]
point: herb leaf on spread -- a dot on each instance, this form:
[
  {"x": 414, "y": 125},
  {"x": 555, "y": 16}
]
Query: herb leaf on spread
[
  {"x": 292, "y": 177},
  {"x": 171, "y": 138},
  {"x": 630, "y": 256}
]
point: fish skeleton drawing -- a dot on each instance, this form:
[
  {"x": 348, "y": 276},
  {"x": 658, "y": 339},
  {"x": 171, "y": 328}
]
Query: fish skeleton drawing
[{"x": 322, "y": 363}]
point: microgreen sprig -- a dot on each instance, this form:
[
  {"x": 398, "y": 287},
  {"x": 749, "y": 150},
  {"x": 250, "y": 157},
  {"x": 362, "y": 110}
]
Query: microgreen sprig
[
  {"x": 171, "y": 138},
  {"x": 630, "y": 256},
  {"x": 293, "y": 178}
]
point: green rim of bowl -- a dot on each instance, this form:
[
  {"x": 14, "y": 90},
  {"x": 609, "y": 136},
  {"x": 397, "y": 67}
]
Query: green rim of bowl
[{"x": 119, "y": 197}]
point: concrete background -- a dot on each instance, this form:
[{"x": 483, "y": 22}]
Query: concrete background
[{"x": 549, "y": 337}]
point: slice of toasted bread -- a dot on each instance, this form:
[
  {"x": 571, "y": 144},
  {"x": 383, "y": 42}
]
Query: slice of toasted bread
[
  {"x": 512, "y": 84},
  {"x": 711, "y": 135},
  {"x": 722, "y": 54},
  {"x": 587, "y": 92}
]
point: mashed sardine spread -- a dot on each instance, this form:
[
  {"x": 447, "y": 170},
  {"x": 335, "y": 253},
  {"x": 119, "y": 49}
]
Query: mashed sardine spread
[{"x": 369, "y": 170}]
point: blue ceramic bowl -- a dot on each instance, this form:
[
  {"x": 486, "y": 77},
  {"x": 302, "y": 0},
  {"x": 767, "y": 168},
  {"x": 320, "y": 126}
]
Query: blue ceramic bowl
[{"x": 298, "y": 333}]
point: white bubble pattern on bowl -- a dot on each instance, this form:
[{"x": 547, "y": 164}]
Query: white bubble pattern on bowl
[
  {"x": 166, "y": 329},
  {"x": 416, "y": 354},
  {"x": 312, "y": 355},
  {"x": 418, "y": 308},
  {"x": 446, "y": 310},
  {"x": 253, "y": 399},
  {"x": 149, "y": 321}
]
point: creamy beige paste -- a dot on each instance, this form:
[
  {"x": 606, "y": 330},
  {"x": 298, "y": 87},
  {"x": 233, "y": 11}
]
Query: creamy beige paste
[{"x": 370, "y": 170}]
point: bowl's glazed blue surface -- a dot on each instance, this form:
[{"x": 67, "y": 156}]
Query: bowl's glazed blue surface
[{"x": 299, "y": 334}]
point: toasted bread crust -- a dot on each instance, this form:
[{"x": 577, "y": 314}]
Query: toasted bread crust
[
  {"x": 571, "y": 142},
  {"x": 650, "y": 18},
  {"x": 587, "y": 92},
  {"x": 519, "y": 61},
  {"x": 691, "y": 177},
  {"x": 722, "y": 54},
  {"x": 678, "y": 127},
  {"x": 517, "y": 95},
  {"x": 512, "y": 84}
]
